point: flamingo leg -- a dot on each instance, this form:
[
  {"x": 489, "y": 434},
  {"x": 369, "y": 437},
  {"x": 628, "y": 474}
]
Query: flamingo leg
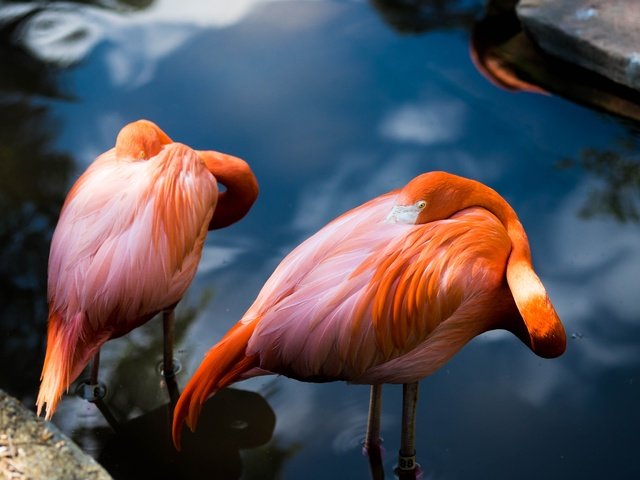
[
  {"x": 168, "y": 317},
  {"x": 95, "y": 367},
  {"x": 94, "y": 391},
  {"x": 373, "y": 441},
  {"x": 407, "y": 456},
  {"x": 169, "y": 366},
  {"x": 373, "y": 423},
  {"x": 106, "y": 413}
]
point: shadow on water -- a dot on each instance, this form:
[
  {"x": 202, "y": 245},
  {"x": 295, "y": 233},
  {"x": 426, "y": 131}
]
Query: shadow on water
[
  {"x": 230, "y": 421},
  {"x": 136, "y": 372},
  {"x": 139, "y": 445}
]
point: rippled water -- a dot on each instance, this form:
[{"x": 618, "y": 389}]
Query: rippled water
[{"x": 331, "y": 105}]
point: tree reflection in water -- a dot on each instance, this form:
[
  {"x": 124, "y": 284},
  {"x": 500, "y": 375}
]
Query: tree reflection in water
[
  {"x": 140, "y": 444},
  {"x": 419, "y": 16},
  {"x": 616, "y": 193},
  {"x": 34, "y": 178}
]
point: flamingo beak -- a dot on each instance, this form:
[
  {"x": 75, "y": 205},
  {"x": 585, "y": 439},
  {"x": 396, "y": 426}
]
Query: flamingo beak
[{"x": 407, "y": 214}]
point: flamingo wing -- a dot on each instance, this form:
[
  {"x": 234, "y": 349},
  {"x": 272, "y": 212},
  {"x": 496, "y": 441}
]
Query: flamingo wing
[
  {"x": 362, "y": 291},
  {"x": 128, "y": 241}
]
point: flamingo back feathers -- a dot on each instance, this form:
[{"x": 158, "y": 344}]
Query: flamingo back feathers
[
  {"x": 426, "y": 278},
  {"x": 379, "y": 292},
  {"x": 128, "y": 243}
]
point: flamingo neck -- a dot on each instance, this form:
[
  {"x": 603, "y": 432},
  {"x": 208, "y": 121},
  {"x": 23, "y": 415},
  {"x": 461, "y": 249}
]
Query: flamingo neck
[
  {"x": 483, "y": 196},
  {"x": 543, "y": 332},
  {"x": 447, "y": 194},
  {"x": 240, "y": 184}
]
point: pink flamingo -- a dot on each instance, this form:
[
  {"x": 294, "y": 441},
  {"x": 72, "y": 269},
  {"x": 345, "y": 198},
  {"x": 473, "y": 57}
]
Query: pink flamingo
[
  {"x": 387, "y": 293},
  {"x": 128, "y": 242}
]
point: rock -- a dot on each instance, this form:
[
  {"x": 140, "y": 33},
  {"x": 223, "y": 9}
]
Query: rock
[
  {"x": 599, "y": 35},
  {"x": 31, "y": 448},
  {"x": 509, "y": 59}
]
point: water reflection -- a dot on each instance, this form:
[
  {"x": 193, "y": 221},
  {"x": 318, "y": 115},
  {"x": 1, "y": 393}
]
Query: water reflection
[
  {"x": 137, "y": 443},
  {"x": 419, "y": 16},
  {"x": 33, "y": 179},
  {"x": 231, "y": 421},
  {"x": 21, "y": 72},
  {"x": 499, "y": 26},
  {"x": 60, "y": 34},
  {"x": 332, "y": 108},
  {"x": 508, "y": 58},
  {"x": 133, "y": 373},
  {"x": 616, "y": 192}
]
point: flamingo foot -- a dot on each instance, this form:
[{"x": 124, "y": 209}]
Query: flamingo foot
[
  {"x": 174, "y": 369},
  {"x": 91, "y": 391}
]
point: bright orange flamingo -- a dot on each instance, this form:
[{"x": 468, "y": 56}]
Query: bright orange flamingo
[
  {"x": 387, "y": 293},
  {"x": 128, "y": 241}
]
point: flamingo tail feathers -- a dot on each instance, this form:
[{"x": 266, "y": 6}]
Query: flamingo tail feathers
[
  {"x": 66, "y": 356},
  {"x": 223, "y": 365}
]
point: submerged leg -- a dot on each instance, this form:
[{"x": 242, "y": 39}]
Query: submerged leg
[
  {"x": 373, "y": 441},
  {"x": 94, "y": 391},
  {"x": 169, "y": 365},
  {"x": 407, "y": 457}
]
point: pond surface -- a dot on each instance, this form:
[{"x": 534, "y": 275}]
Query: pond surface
[{"x": 331, "y": 105}]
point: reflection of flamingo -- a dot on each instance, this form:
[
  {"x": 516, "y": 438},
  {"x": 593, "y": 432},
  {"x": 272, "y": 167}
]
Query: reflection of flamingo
[
  {"x": 128, "y": 242},
  {"x": 387, "y": 293}
]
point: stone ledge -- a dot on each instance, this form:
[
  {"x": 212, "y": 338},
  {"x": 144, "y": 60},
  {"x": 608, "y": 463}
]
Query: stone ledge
[
  {"x": 600, "y": 35},
  {"x": 31, "y": 448}
]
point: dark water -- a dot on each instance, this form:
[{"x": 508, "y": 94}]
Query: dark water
[{"x": 331, "y": 105}]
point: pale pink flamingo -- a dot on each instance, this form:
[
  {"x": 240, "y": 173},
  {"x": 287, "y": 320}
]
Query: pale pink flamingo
[
  {"x": 387, "y": 293},
  {"x": 128, "y": 242}
]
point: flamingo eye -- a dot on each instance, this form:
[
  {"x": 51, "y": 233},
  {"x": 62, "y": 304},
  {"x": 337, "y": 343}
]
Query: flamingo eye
[{"x": 421, "y": 204}]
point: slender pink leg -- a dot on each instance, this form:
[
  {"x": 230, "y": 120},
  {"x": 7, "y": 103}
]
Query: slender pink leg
[
  {"x": 372, "y": 442},
  {"x": 95, "y": 366},
  {"x": 168, "y": 317},
  {"x": 407, "y": 457},
  {"x": 169, "y": 369},
  {"x": 94, "y": 391},
  {"x": 373, "y": 424}
]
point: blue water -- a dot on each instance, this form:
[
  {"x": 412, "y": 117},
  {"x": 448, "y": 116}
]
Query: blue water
[{"x": 331, "y": 107}]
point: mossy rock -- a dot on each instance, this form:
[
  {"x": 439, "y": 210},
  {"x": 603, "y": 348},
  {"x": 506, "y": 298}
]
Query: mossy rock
[{"x": 31, "y": 448}]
